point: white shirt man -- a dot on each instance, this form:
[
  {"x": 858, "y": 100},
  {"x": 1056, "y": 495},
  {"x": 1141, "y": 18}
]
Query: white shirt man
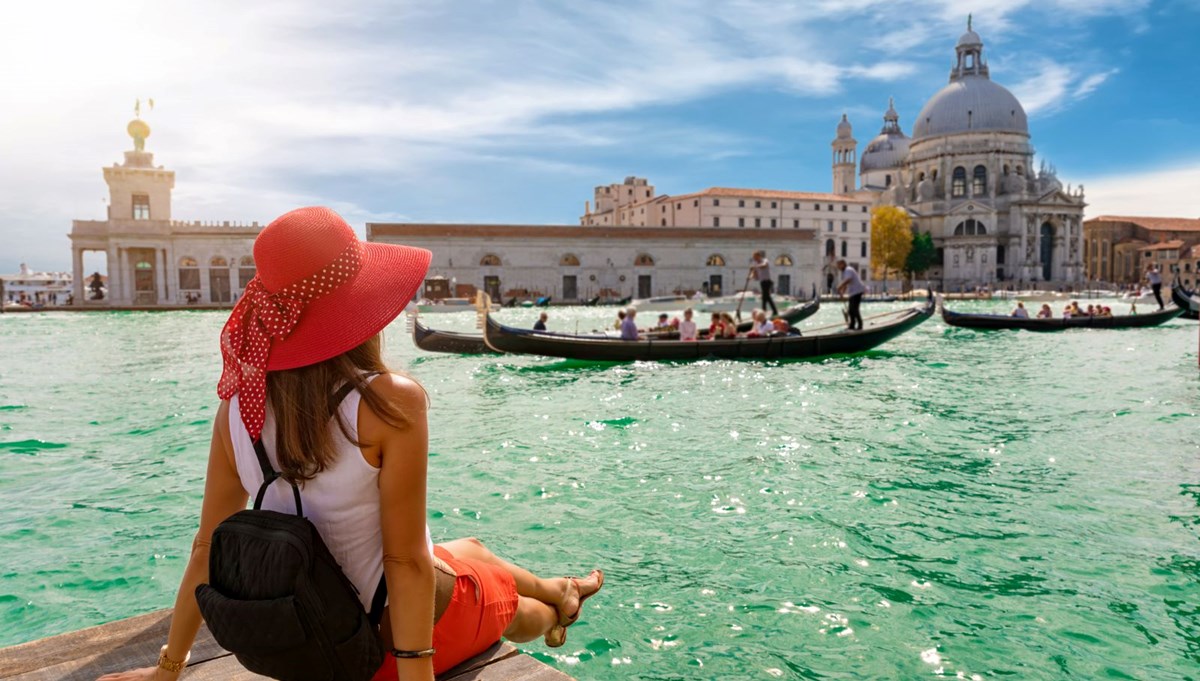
[{"x": 687, "y": 327}]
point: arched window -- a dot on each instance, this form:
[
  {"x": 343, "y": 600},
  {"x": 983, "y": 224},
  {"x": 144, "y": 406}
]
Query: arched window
[
  {"x": 784, "y": 260},
  {"x": 218, "y": 261},
  {"x": 569, "y": 260},
  {"x": 643, "y": 260},
  {"x": 490, "y": 260},
  {"x": 246, "y": 271},
  {"x": 829, "y": 248},
  {"x": 979, "y": 181},
  {"x": 958, "y": 182},
  {"x": 715, "y": 260},
  {"x": 970, "y": 227},
  {"x": 189, "y": 274},
  {"x": 218, "y": 280}
]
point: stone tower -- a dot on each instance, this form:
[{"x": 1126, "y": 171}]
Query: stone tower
[
  {"x": 844, "y": 158},
  {"x": 138, "y": 190}
]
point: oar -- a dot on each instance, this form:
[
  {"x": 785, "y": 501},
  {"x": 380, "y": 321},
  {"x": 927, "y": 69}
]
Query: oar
[{"x": 742, "y": 297}]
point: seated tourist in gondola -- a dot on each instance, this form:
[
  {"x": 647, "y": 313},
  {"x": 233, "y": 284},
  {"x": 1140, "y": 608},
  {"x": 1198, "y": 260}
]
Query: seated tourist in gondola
[
  {"x": 687, "y": 327},
  {"x": 1066, "y": 312},
  {"x": 714, "y": 328},
  {"x": 629, "y": 329},
  {"x": 620, "y": 319},
  {"x": 1020, "y": 312},
  {"x": 1045, "y": 312},
  {"x": 783, "y": 328},
  {"x": 728, "y": 326}
]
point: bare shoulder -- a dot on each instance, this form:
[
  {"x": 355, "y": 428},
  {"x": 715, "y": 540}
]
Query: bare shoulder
[{"x": 400, "y": 390}]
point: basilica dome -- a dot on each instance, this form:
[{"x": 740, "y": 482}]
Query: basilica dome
[
  {"x": 971, "y": 102},
  {"x": 890, "y": 148}
]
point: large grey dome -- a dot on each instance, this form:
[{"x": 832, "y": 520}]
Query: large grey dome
[{"x": 968, "y": 104}]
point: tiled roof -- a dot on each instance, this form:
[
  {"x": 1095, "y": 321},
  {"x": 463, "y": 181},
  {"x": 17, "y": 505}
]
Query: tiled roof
[
  {"x": 1166, "y": 224},
  {"x": 1163, "y": 246}
]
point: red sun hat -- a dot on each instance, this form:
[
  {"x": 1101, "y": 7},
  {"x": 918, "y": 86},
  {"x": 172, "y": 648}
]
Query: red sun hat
[{"x": 318, "y": 292}]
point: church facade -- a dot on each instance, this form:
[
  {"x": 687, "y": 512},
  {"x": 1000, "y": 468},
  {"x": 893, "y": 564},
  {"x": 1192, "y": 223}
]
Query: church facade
[{"x": 967, "y": 177}]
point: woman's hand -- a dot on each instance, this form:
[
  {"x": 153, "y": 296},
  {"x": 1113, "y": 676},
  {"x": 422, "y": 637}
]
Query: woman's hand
[{"x": 143, "y": 674}]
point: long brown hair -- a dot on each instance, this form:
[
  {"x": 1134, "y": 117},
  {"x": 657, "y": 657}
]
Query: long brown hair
[{"x": 302, "y": 402}]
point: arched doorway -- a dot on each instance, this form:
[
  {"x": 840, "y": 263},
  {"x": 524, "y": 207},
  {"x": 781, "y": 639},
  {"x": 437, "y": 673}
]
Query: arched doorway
[{"x": 1047, "y": 251}]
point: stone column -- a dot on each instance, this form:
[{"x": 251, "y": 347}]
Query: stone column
[
  {"x": 77, "y": 275},
  {"x": 160, "y": 276}
]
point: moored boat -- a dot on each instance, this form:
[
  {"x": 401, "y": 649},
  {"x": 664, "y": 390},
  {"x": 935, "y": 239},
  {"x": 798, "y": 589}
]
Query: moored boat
[
  {"x": 605, "y": 349},
  {"x": 996, "y": 321},
  {"x": 1186, "y": 300},
  {"x": 453, "y": 342}
]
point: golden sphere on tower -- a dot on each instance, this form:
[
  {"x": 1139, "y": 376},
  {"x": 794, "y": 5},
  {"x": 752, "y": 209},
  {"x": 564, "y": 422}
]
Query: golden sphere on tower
[{"x": 138, "y": 129}]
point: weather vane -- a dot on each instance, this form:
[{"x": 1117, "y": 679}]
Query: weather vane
[{"x": 137, "y": 106}]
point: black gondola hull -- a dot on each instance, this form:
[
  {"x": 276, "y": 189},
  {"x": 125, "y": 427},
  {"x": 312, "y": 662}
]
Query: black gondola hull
[
  {"x": 1187, "y": 301},
  {"x": 452, "y": 342},
  {"x": 995, "y": 322},
  {"x": 606, "y": 349}
]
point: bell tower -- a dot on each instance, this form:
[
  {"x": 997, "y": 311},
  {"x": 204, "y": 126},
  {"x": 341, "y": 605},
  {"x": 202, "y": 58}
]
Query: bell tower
[{"x": 845, "y": 158}]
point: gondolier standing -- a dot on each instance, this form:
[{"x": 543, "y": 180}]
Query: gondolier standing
[
  {"x": 1155, "y": 280},
  {"x": 761, "y": 267},
  {"x": 852, "y": 286}
]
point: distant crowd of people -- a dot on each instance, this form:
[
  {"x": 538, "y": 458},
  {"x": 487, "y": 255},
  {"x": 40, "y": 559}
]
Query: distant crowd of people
[
  {"x": 722, "y": 325},
  {"x": 1071, "y": 310}
]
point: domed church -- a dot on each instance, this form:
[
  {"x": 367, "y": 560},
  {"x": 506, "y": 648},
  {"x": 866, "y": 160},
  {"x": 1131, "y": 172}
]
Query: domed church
[{"x": 966, "y": 177}]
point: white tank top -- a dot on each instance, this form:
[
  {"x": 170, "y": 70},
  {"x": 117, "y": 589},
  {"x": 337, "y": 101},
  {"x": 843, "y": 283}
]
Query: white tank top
[{"x": 342, "y": 501}]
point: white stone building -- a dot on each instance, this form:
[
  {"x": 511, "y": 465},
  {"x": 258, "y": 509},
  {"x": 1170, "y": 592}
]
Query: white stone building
[
  {"x": 966, "y": 176},
  {"x": 152, "y": 259},
  {"x": 575, "y": 263}
]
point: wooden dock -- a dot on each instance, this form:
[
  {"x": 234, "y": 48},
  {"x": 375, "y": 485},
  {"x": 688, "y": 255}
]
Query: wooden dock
[{"x": 127, "y": 644}]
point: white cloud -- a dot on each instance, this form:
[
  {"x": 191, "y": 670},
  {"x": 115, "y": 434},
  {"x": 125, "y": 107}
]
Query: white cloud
[
  {"x": 1055, "y": 86},
  {"x": 1170, "y": 192},
  {"x": 1089, "y": 84}
]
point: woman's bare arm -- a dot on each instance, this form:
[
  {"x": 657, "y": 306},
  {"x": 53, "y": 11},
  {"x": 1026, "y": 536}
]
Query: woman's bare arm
[{"x": 223, "y": 496}]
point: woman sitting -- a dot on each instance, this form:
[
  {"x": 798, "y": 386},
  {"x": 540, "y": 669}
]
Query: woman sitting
[
  {"x": 310, "y": 323},
  {"x": 1045, "y": 312}
]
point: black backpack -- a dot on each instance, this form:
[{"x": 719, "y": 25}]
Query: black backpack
[{"x": 278, "y": 600}]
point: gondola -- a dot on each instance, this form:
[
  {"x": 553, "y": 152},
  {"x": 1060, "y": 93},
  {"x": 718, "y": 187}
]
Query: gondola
[
  {"x": 453, "y": 342},
  {"x": 459, "y": 343},
  {"x": 1186, "y": 300},
  {"x": 793, "y": 315},
  {"x": 605, "y": 349},
  {"x": 996, "y": 321}
]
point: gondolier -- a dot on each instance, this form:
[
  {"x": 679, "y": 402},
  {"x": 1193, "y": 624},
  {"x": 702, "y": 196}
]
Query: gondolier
[
  {"x": 1155, "y": 280},
  {"x": 852, "y": 286},
  {"x": 761, "y": 268}
]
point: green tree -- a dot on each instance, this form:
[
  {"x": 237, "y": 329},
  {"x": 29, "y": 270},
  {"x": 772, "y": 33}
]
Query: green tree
[
  {"x": 891, "y": 239},
  {"x": 922, "y": 256}
]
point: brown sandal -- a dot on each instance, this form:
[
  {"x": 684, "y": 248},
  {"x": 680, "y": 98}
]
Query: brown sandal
[{"x": 568, "y": 620}]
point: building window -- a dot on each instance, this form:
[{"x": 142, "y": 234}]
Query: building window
[
  {"x": 863, "y": 254},
  {"x": 843, "y": 249},
  {"x": 784, "y": 260},
  {"x": 679, "y": 206},
  {"x": 774, "y": 205},
  {"x": 773, "y": 225},
  {"x": 831, "y": 207},
  {"x": 716, "y": 222},
  {"x": 715, "y": 260},
  {"x": 189, "y": 274},
  {"x": 246, "y": 271},
  {"x": 695, "y": 203},
  {"x": 141, "y": 207},
  {"x": 864, "y": 228},
  {"x": 829, "y": 226},
  {"x": 844, "y": 226},
  {"x": 758, "y": 204},
  {"x": 979, "y": 181},
  {"x": 864, "y": 209},
  {"x": 758, "y": 222},
  {"x": 970, "y": 228},
  {"x": 716, "y": 202},
  {"x": 816, "y": 206},
  {"x": 741, "y": 203},
  {"x": 218, "y": 280},
  {"x": 489, "y": 260},
  {"x": 829, "y": 248},
  {"x": 569, "y": 260},
  {"x": 958, "y": 182},
  {"x": 795, "y": 206},
  {"x": 845, "y": 208},
  {"x": 741, "y": 222},
  {"x": 643, "y": 260},
  {"x": 795, "y": 224},
  {"x": 887, "y": 180}
]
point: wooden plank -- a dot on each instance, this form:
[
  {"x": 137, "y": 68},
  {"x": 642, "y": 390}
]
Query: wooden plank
[{"x": 131, "y": 643}]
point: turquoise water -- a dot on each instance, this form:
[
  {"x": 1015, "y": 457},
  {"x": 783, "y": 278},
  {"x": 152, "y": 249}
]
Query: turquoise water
[{"x": 990, "y": 505}]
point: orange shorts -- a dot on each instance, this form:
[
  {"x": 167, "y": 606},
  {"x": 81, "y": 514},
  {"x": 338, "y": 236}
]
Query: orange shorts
[{"x": 483, "y": 605}]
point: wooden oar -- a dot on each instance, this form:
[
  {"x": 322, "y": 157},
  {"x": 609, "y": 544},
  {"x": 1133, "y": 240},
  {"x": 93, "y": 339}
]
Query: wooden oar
[{"x": 742, "y": 297}]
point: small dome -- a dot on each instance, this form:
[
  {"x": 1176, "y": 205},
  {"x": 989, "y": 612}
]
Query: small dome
[
  {"x": 971, "y": 104},
  {"x": 843, "y": 128},
  {"x": 884, "y": 152},
  {"x": 969, "y": 39}
]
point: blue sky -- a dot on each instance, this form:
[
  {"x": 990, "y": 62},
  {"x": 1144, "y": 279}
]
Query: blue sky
[{"x": 513, "y": 110}]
